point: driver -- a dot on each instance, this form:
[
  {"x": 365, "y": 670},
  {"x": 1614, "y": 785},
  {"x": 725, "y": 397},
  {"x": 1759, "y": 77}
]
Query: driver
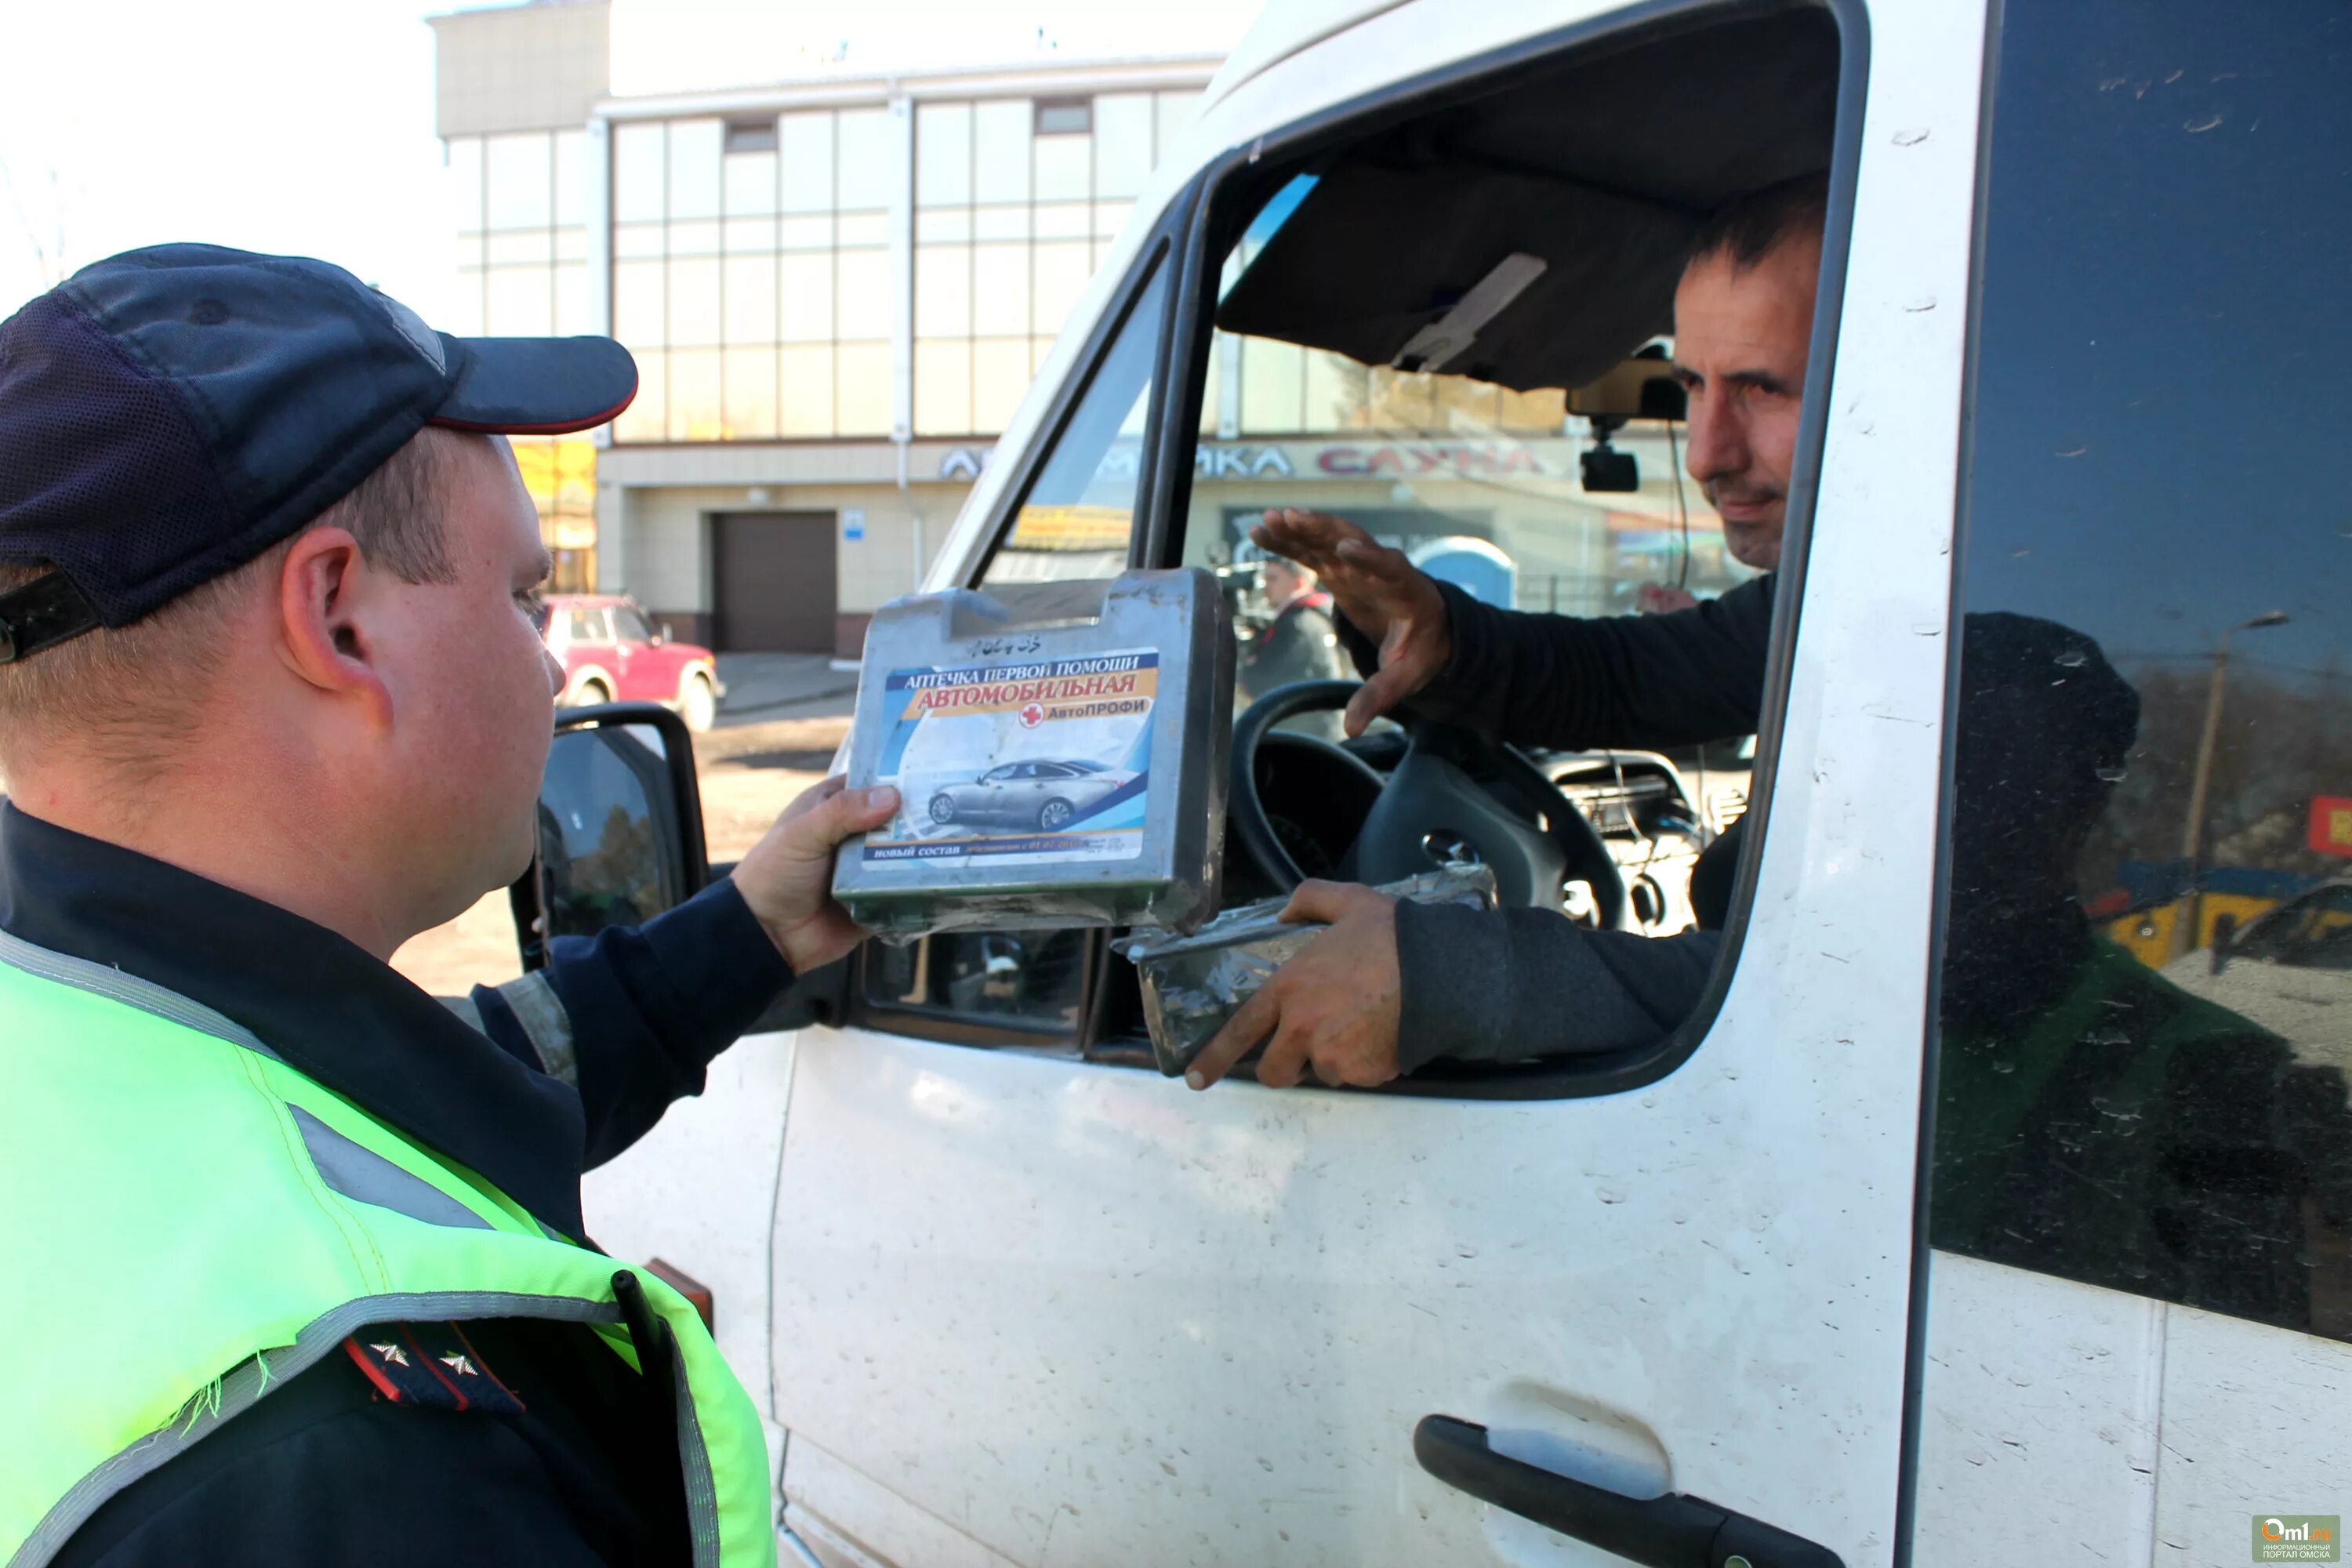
[{"x": 1392, "y": 986}]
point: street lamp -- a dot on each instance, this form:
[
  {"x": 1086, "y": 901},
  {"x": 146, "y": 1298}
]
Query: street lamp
[{"x": 2189, "y": 919}]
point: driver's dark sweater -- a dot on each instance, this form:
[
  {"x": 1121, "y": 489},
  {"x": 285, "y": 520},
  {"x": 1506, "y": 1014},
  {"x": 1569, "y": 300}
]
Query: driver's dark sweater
[{"x": 1505, "y": 985}]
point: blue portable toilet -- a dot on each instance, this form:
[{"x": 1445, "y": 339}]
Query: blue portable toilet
[{"x": 1473, "y": 566}]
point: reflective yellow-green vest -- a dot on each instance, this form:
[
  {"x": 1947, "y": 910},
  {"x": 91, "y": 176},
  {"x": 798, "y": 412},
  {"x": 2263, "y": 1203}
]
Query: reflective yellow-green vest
[{"x": 203, "y": 1222}]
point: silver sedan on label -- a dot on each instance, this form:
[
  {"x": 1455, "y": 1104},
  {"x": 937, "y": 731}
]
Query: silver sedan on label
[{"x": 1043, "y": 795}]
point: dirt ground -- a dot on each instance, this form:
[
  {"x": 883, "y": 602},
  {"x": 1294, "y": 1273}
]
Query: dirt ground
[{"x": 748, "y": 772}]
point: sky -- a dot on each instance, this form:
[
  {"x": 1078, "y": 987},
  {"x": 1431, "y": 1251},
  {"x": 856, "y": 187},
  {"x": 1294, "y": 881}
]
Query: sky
[
  {"x": 306, "y": 126},
  {"x": 275, "y": 125}
]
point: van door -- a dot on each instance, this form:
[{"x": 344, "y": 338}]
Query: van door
[
  {"x": 1035, "y": 1304},
  {"x": 2139, "y": 1314}
]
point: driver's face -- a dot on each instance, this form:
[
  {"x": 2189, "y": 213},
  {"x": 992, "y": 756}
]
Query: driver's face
[{"x": 1740, "y": 341}]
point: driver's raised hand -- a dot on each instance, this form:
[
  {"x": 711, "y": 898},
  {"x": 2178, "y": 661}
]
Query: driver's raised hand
[
  {"x": 1332, "y": 1010},
  {"x": 1384, "y": 595}
]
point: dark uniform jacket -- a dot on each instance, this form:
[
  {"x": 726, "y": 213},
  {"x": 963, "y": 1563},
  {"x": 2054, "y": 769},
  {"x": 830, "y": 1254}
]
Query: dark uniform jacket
[{"x": 559, "y": 1455}]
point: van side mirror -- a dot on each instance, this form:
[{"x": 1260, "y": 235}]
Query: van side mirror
[
  {"x": 620, "y": 826},
  {"x": 621, "y": 840}
]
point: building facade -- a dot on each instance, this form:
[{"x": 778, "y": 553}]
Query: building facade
[
  {"x": 838, "y": 286},
  {"x": 836, "y": 289}
]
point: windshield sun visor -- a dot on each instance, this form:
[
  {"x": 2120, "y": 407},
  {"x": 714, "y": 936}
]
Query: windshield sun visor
[{"x": 1601, "y": 175}]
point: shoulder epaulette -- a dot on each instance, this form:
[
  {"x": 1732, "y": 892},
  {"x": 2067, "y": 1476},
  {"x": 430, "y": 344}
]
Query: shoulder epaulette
[{"x": 431, "y": 1366}]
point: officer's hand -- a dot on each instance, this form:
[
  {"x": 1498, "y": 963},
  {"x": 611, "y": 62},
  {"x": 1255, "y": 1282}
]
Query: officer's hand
[
  {"x": 1332, "y": 1010},
  {"x": 787, "y": 877},
  {"x": 1386, "y": 596}
]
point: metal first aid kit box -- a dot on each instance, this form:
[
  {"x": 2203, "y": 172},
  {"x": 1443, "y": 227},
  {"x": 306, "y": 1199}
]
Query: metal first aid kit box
[{"x": 1059, "y": 750}]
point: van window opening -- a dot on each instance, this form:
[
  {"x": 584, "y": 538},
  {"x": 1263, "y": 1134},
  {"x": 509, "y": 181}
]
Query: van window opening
[{"x": 1477, "y": 470}]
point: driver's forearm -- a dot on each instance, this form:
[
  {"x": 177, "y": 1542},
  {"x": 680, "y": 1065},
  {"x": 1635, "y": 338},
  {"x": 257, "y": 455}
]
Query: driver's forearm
[
  {"x": 1615, "y": 681},
  {"x": 1509, "y": 984}
]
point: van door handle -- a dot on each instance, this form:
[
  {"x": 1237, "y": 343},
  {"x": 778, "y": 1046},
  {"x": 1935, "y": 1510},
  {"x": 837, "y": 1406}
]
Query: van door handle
[{"x": 1668, "y": 1531}]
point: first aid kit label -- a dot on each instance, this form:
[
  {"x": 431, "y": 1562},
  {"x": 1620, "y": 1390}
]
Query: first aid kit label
[{"x": 1040, "y": 762}]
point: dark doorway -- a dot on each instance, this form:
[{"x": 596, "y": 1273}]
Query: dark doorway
[{"x": 775, "y": 577}]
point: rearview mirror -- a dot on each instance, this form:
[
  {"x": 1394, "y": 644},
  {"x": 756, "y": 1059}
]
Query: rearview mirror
[
  {"x": 1632, "y": 389},
  {"x": 620, "y": 826}
]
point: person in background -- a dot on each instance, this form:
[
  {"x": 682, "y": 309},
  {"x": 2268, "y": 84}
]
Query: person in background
[{"x": 1300, "y": 643}]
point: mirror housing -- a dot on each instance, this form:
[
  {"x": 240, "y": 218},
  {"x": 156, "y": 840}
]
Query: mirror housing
[
  {"x": 621, "y": 840},
  {"x": 1632, "y": 389},
  {"x": 620, "y": 826},
  {"x": 1637, "y": 388}
]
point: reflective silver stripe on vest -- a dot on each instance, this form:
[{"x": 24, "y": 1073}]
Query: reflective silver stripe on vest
[
  {"x": 694, "y": 1457},
  {"x": 352, "y": 1169},
  {"x": 541, "y": 1014},
  {"x": 114, "y": 984},
  {"x": 364, "y": 1176},
  {"x": 241, "y": 1388}
]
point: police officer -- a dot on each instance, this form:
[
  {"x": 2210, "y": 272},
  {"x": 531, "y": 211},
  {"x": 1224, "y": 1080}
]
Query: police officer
[
  {"x": 1300, "y": 642},
  {"x": 301, "y": 1274}
]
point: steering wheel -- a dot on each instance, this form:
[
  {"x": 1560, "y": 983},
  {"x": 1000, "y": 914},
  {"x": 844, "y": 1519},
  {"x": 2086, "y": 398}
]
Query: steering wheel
[{"x": 1432, "y": 812}]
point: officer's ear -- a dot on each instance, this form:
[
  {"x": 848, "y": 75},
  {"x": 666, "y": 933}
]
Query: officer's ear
[{"x": 325, "y": 635}]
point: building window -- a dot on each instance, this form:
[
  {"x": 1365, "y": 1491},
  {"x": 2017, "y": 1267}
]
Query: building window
[
  {"x": 750, "y": 136},
  {"x": 751, "y": 275},
  {"x": 751, "y": 271},
  {"x": 1016, "y": 203},
  {"x": 1065, "y": 116},
  {"x": 521, "y": 244},
  {"x": 519, "y": 208},
  {"x": 560, "y": 472}
]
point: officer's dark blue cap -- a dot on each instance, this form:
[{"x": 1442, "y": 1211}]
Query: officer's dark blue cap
[{"x": 167, "y": 415}]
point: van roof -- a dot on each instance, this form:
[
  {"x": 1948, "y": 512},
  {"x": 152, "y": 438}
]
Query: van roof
[{"x": 1283, "y": 29}]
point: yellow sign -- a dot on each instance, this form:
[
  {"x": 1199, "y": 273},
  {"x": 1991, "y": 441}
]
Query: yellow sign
[{"x": 1071, "y": 528}]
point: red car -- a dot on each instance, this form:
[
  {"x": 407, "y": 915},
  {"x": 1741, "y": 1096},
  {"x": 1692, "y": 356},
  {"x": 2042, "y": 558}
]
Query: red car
[{"x": 610, "y": 653}]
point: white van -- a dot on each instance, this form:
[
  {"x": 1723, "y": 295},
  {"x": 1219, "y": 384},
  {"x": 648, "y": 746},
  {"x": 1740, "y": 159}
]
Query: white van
[{"x": 1947, "y": 1231}]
